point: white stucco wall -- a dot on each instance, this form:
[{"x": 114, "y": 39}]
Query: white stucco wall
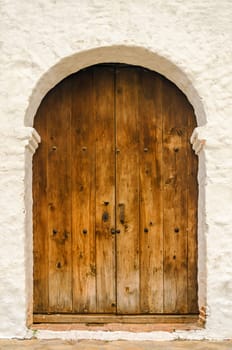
[{"x": 41, "y": 42}]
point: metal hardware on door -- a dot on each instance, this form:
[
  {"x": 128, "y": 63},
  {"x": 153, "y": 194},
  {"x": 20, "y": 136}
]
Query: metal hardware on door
[
  {"x": 145, "y": 149},
  {"x": 105, "y": 216},
  {"x": 122, "y": 212},
  {"x": 113, "y": 231}
]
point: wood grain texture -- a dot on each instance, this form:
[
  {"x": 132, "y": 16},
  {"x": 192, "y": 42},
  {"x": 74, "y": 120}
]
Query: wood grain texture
[
  {"x": 175, "y": 200},
  {"x": 115, "y": 155},
  {"x": 83, "y": 193},
  {"x": 101, "y": 319},
  {"x": 151, "y": 199},
  {"x": 58, "y": 197},
  {"x": 40, "y": 213},
  {"x": 192, "y": 194},
  {"x": 127, "y": 190},
  {"x": 105, "y": 189}
]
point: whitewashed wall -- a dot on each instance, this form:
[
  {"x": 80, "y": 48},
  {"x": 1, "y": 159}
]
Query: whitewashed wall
[{"x": 41, "y": 42}]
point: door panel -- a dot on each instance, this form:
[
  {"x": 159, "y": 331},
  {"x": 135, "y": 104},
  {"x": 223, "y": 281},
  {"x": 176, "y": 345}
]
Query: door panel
[
  {"x": 83, "y": 193},
  {"x": 151, "y": 199},
  {"x": 192, "y": 197},
  {"x": 40, "y": 214},
  {"x": 175, "y": 201},
  {"x": 127, "y": 191},
  {"x": 115, "y": 196},
  {"x": 58, "y": 199},
  {"x": 105, "y": 189}
]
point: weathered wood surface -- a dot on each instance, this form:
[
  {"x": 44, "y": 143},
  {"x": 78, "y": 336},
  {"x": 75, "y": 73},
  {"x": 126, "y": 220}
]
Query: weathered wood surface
[
  {"x": 151, "y": 195},
  {"x": 175, "y": 201},
  {"x": 101, "y": 318},
  {"x": 115, "y": 156},
  {"x": 192, "y": 194},
  {"x": 127, "y": 190},
  {"x": 83, "y": 193},
  {"x": 58, "y": 199},
  {"x": 105, "y": 190},
  {"x": 40, "y": 213}
]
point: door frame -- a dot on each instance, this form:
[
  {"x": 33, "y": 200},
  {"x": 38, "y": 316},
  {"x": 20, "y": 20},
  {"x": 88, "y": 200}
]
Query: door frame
[{"x": 136, "y": 57}]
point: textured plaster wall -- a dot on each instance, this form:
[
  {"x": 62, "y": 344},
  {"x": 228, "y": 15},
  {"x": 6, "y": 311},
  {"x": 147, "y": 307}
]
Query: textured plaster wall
[{"x": 41, "y": 42}]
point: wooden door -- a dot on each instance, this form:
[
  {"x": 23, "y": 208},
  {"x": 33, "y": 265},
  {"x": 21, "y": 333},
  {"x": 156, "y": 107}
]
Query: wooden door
[{"x": 115, "y": 198}]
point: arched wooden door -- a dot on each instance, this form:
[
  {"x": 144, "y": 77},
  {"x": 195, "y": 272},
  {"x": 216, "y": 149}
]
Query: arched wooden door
[{"x": 115, "y": 199}]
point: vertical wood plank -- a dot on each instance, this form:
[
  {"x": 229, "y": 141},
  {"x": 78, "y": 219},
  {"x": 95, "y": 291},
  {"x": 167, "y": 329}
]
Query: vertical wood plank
[
  {"x": 58, "y": 195},
  {"x": 83, "y": 194},
  {"x": 40, "y": 229},
  {"x": 192, "y": 216},
  {"x": 127, "y": 191},
  {"x": 175, "y": 200},
  {"x": 105, "y": 188},
  {"x": 151, "y": 206}
]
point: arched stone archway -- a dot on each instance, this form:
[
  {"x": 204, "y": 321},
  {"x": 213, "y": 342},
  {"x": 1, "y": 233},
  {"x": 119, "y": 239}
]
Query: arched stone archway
[
  {"x": 120, "y": 54},
  {"x": 133, "y": 55}
]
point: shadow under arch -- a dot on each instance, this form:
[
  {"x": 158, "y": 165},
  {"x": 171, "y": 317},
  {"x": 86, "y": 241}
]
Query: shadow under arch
[{"x": 132, "y": 55}]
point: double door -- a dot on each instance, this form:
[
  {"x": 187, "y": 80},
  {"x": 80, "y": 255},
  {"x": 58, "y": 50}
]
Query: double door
[{"x": 115, "y": 196}]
